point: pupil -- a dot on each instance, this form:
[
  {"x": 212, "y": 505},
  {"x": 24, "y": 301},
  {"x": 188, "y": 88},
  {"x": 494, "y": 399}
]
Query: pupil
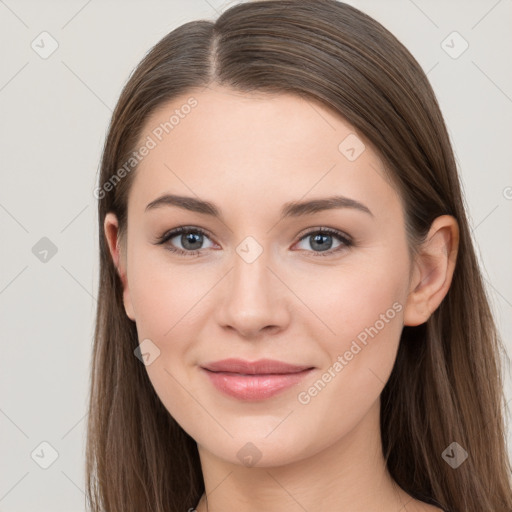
[
  {"x": 320, "y": 239},
  {"x": 191, "y": 238}
]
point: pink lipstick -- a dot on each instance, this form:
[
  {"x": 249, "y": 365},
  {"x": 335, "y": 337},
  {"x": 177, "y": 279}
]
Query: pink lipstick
[{"x": 255, "y": 380}]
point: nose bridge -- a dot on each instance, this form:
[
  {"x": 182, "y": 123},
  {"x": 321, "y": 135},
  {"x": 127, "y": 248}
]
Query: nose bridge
[
  {"x": 250, "y": 272},
  {"x": 253, "y": 299}
]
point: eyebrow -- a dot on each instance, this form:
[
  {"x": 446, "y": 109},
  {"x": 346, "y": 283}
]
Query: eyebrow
[{"x": 291, "y": 209}]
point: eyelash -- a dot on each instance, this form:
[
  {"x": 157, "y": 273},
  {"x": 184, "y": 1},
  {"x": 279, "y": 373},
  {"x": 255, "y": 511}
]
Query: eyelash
[{"x": 346, "y": 241}]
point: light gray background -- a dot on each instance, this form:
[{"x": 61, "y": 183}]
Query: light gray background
[{"x": 54, "y": 115}]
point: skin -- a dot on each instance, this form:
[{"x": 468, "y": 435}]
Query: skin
[{"x": 249, "y": 154}]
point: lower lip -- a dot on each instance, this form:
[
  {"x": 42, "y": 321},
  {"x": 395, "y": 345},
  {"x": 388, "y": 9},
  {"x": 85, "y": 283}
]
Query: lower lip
[{"x": 254, "y": 387}]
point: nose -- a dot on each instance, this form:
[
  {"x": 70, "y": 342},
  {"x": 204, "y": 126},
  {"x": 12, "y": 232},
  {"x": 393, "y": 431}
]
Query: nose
[{"x": 253, "y": 301}]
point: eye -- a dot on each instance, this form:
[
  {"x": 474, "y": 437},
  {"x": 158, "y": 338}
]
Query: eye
[
  {"x": 322, "y": 239},
  {"x": 190, "y": 238}
]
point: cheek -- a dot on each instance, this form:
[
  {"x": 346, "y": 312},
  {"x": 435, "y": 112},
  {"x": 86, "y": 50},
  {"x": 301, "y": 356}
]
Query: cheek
[
  {"x": 362, "y": 303},
  {"x": 165, "y": 296},
  {"x": 166, "y": 303},
  {"x": 364, "y": 308},
  {"x": 354, "y": 295}
]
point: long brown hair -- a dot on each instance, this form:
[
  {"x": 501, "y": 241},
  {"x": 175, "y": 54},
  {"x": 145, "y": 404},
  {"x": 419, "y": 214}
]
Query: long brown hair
[{"x": 446, "y": 385}]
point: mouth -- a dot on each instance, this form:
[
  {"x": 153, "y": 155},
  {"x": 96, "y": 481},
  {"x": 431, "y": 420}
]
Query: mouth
[
  {"x": 259, "y": 367},
  {"x": 258, "y": 380}
]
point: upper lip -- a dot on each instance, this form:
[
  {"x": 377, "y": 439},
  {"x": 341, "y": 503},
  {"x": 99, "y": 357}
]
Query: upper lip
[{"x": 259, "y": 367}]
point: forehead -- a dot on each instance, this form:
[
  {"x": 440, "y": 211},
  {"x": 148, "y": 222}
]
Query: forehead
[
  {"x": 220, "y": 117},
  {"x": 253, "y": 147}
]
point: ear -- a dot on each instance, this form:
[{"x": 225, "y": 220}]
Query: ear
[
  {"x": 433, "y": 270},
  {"x": 111, "y": 228}
]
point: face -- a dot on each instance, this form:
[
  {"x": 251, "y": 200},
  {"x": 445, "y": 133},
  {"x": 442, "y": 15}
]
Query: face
[{"x": 323, "y": 289}]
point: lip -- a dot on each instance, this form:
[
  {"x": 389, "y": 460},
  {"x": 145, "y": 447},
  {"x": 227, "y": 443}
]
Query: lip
[
  {"x": 257, "y": 380},
  {"x": 259, "y": 367}
]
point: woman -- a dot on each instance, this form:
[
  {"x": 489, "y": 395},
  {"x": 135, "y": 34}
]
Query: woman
[{"x": 291, "y": 314}]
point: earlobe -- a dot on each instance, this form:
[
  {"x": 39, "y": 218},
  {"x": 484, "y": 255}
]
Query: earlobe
[
  {"x": 111, "y": 228},
  {"x": 433, "y": 270}
]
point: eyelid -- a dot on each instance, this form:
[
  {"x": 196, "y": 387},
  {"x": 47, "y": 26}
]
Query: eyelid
[
  {"x": 171, "y": 233},
  {"x": 346, "y": 241},
  {"x": 325, "y": 229}
]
